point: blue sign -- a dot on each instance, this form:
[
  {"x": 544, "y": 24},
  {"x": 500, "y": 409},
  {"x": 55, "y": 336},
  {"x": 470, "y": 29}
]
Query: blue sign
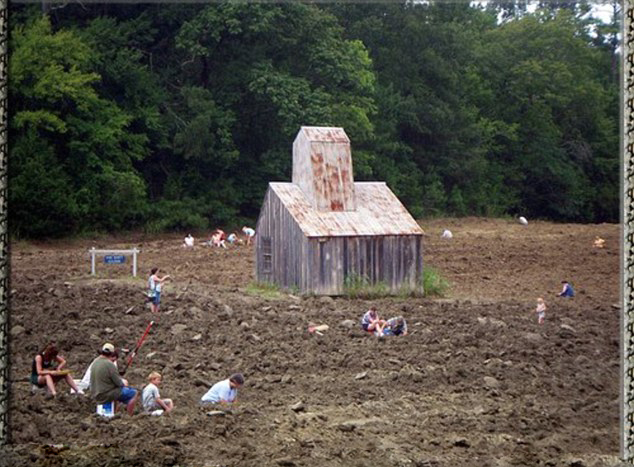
[{"x": 114, "y": 259}]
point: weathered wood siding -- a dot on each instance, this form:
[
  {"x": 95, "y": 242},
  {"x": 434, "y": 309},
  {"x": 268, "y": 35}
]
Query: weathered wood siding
[
  {"x": 396, "y": 261},
  {"x": 288, "y": 244},
  {"x": 321, "y": 264}
]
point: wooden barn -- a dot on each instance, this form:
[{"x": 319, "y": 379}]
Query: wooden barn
[{"x": 324, "y": 230}]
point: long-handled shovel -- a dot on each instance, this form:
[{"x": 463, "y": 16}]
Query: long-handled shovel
[{"x": 136, "y": 349}]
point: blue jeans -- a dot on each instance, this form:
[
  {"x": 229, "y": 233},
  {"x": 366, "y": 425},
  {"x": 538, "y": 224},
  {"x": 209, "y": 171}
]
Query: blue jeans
[{"x": 127, "y": 394}]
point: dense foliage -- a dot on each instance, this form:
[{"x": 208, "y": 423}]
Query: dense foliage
[{"x": 175, "y": 116}]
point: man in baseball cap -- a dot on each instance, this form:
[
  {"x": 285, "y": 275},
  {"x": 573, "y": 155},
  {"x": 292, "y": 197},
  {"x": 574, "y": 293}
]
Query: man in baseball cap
[
  {"x": 106, "y": 385},
  {"x": 107, "y": 349}
]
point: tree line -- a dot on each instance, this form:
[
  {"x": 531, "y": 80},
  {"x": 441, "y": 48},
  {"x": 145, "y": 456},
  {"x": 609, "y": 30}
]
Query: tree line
[{"x": 171, "y": 117}]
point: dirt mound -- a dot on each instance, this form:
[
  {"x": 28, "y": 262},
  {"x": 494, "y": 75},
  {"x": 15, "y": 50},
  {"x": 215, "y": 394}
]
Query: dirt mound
[{"x": 476, "y": 382}]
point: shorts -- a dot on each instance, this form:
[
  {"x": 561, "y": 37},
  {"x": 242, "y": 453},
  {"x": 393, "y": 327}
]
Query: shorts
[
  {"x": 541, "y": 315},
  {"x": 365, "y": 327},
  {"x": 127, "y": 394},
  {"x": 156, "y": 299}
]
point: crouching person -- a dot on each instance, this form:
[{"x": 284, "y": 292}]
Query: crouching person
[
  {"x": 224, "y": 392},
  {"x": 151, "y": 399},
  {"x": 105, "y": 383},
  {"x": 396, "y": 326}
]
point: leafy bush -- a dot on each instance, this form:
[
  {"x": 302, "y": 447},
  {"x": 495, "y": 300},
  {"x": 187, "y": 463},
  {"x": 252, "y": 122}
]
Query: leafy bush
[{"x": 433, "y": 283}]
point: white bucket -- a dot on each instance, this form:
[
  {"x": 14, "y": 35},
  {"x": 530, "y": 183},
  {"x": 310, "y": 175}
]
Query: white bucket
[{"x": 106, "y": 410}]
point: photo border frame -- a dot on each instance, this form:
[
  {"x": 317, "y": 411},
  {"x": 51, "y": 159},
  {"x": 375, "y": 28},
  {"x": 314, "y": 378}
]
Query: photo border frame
[{"x": 627, "y": 238}]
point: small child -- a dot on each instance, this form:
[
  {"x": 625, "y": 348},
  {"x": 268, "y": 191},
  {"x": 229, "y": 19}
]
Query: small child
[
  {"x": 540, "y": 310},
  {"x": 151, "y": 398}
]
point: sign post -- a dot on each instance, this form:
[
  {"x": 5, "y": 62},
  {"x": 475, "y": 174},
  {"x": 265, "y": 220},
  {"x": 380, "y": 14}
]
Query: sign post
[{"x": 113, "y": 257}]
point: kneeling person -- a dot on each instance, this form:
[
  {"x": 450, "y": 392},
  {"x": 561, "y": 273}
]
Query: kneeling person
[
  {"x": 225, "y": 391},
  {"x": 105, "y": 383}
]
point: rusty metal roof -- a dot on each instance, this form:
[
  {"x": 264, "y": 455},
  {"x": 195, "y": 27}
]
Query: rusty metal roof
[
  {"x": 378, "y": 212},
  {"x": 324, "y": 134}
]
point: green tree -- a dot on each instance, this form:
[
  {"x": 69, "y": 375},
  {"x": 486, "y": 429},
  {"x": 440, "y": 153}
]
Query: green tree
[{"x": 84, "y": 138}]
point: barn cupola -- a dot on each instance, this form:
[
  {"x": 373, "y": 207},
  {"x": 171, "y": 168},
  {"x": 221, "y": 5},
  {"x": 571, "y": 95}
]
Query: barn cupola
[{"x": 322, "y": 168}]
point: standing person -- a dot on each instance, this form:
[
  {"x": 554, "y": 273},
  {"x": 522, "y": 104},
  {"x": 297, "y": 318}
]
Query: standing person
[
  {"x": 249, "y": 233},
  {"x": 396, "y": 326},
  {"x": 105, "y": 383},
  {"x": 46, "y": 370},
  {"x": 567, "y": 290},
  {"x": 540, "y": 310},
  {"x": 371, "y": 322},
  {"x": 225, "y": 391},
  {"x": 151, "y": 398},
  {"x": 155, "y": 283}
]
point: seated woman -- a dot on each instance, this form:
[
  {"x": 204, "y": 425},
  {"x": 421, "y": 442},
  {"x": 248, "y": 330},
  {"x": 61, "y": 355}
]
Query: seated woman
[
  {"x": 396, "y": 326},
  {"x": 47, "y": 370},
  {"x": 371, "y": 322}
]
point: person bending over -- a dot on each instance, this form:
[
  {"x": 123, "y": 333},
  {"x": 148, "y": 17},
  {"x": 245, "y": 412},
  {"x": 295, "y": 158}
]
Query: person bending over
[
  {"x": 47, "y": 369},
  {"x": 224, "y": 392}
]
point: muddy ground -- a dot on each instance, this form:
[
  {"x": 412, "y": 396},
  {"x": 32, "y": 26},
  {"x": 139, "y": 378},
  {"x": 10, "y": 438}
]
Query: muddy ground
[{"x": 476, "y": 383}]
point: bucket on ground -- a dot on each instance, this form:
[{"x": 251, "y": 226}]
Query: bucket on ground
[{"x": 106, "y": 410}]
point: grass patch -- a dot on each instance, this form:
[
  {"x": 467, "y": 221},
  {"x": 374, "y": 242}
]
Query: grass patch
[
  {"x": 265, "y": 290},
  {"x": 434, "y": 285},
  {"x": 356, "y": 286}
]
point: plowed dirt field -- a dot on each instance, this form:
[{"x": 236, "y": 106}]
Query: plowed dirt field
[{"x": 477, "y": 382}]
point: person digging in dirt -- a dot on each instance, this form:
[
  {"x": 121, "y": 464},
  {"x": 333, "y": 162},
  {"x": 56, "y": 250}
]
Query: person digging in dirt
[
  {"x": 567, "y": 290},
  {"x": 540, "y": 310},
  {"x": 151, "y": 399},
  {"x": 249, "y": 233},
  {"x": 396, "y": 326},
  {"x": 233, "y": 239},
  {"x": 48, "y": 368},
  {"x": 218, "y": 238},
  {"x": 106, "y": 385},
  {"x": 224, "y": 392},
  {"x": 371, "y": 322},
  {"x": 155, "y": 283}
]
